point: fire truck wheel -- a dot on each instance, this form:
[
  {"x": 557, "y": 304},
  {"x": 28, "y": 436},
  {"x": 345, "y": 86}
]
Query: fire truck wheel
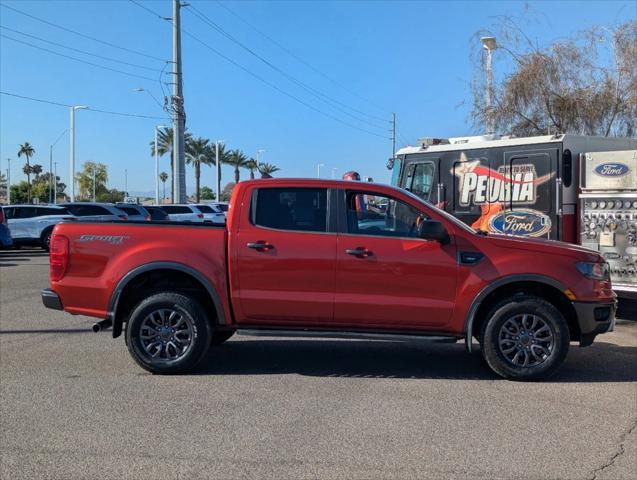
[
  {"x": 524, "y": 338},
  {"x": 168, "y": 333}
]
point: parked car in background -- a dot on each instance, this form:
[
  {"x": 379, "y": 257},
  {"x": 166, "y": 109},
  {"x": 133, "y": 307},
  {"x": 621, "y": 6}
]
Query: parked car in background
[
  {"x": 183, "y": 213},
  {"x": 134, "y": 211},
  {"x": 33, "y": 224},
  {"x": 97, "y": 212},
  {"x": 210, "y": 214},
  {"x": 5, "y": 234},
  {"x": 220, "y": 206},
  {"x": 157, "y": 214}
]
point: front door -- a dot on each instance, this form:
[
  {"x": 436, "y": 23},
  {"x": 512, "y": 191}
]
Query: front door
[
  {"x": 286, "y": 258},
  {"x": 387, "y": 277}
]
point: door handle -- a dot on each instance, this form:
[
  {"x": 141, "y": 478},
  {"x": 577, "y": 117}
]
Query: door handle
[
  {"x": 260, "y": 245},
  {"x": 359, "y": 252}
]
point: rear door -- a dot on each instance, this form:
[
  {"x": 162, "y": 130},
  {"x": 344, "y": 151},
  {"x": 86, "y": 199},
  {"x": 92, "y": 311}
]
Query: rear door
[
  {"x": 285, "y": 253},
  {"x": 21, "y": 224}
]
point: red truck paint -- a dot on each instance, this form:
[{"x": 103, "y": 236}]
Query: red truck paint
[{"x": 307, "y": 281}]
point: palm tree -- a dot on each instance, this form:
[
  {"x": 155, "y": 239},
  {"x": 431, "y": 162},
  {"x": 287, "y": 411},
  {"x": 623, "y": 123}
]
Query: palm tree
[
  {"x": 199, "y": 152},
  {"x": 238, "y": 160},
  {"x": 165, "y": 145},
  {"x": 267, "y": 169},
  {"x": 252, "y": 165},
  {"x": 36, "y": 170},
  {"x": 28, "y": 151},
  {"x": 163, "y": 176}
]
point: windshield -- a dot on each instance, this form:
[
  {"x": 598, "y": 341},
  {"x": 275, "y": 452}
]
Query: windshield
[{"x": 441, "y": 212}]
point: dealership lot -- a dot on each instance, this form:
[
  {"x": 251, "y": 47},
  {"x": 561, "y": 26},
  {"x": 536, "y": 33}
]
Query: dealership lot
[{"x": 74, "y": 405}]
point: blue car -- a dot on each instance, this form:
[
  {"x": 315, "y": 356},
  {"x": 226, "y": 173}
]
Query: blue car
[{"x": 5, "y": 234}]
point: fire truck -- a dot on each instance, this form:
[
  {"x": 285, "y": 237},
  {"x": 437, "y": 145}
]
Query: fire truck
[{"x": 528, "y": 186}]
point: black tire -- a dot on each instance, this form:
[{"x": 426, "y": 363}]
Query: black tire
[
  {"x": 189, "y": 311},
  {"x": 45, "y": 239},
  {"x": 220, "y": 336},
  {"x": 528, "y": 346}
]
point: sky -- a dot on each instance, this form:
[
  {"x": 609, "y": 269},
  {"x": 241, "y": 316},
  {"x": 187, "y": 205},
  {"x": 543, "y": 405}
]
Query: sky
[{"x": 324, "y": 79}]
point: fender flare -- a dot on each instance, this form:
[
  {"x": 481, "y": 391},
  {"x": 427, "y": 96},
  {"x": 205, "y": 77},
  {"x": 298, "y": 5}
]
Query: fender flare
[
  {"x": 477, "y": 301},
  {"x": 148, "y": 267}
]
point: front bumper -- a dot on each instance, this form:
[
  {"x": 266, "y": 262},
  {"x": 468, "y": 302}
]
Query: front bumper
[
  {"x": 594, "y": 318},
  {"x": 50, "y": 299}
]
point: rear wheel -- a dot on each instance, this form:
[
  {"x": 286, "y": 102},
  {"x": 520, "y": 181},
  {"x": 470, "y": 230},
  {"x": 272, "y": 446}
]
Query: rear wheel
[
  {"x": 524, "y": 338},
  {"x": 168, "y": 332}
]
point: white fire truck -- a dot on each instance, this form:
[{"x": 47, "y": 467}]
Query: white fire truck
[{"x": 531, "y": 186}]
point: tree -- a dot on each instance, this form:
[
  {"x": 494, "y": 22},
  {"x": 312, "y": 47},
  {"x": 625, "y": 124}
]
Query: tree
[
  {"x": 163, "y": 176},
  {"x": 226, "y": 193},
  {"x": 28, "y": 151},
  {"x": 238, "y": 160},
  {"x": 37, "y": 189},
  {"x": 3, "y": 185},
  {"x": 165, "y": 145},
  {"x": 207, "y": 193},
  {"x": 36, "y": 170},
  {"x": 85, "y": 179},
  {"x": 267, "y": 169},
  {"x": 585, "y": 84},
  {"x": 110, "y": 196},
  {"x": 252, "y": 165},
  {"x": 199, "y": 153}
]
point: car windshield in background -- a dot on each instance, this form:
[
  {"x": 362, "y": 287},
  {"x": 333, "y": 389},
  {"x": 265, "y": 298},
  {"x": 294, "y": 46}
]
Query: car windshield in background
[{"x": 129, "y": 210}]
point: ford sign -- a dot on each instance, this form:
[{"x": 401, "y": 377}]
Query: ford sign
[
  {"x": 529, "y": 223},
  {"x": 611, "y": 169}
]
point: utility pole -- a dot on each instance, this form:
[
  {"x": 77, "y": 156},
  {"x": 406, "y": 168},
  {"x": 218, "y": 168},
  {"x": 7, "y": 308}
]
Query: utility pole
[
  {"x": 94, "y": 182},
  {"x": 52, "y": 180},
  {"x": 125, "y": 183},
  {"x": 72, "y": 150},
  {"x": 179, "y": 164},
  {"x": 157, "y": 127},
  {"x": 218, "y": 169},
  {"x": 318, "y": 169},
  {"x": 393, "y": 135},
  {"x": 55, "y": 183},
  {"x": 259, "y": 152}
]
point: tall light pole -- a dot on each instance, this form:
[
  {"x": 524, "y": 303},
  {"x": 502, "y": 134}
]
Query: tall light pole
[
  {"x": 259, "y": 152},
  {"x": 125, "y": 183},
  {"x": 179, "y": 164},
  {"x": 52, "y": 179},
  {"x": 489, "y": 44},
  {"x": 94, "y": 165},
  {"x": 157, "y": 127},
  {"x": 55, "y": 182},
  {"x": 218, "y": 169},
  {"x": 318, "y": 169},
  {"x": 72, "y": 149},
  {"x": 8, "y": 181},
  {"x": 334, "y": 170}
]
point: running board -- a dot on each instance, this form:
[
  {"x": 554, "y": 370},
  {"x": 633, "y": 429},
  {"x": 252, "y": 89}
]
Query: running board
[{"x": 274, "y": 332}]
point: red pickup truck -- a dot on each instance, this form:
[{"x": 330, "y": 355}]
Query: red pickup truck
[{"x": 330, "y": 258}]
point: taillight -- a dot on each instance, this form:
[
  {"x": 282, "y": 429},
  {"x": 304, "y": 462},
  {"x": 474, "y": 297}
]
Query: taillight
[
  {"x": 1, "y": 215},
  {"x": 148, "y": 218},
  {"x": 58, "y": 257},
  {"x": 200, "y": 215},
  {"x": 123, "y": 217}
]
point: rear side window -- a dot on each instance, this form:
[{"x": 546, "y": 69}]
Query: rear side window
[
  {"x": 44, "y": 211},
  {"x": 87, "y": 210},
  {"x": 205, "y": 209},
  {"x": 222, "y": 207},
  {"x": 300, "y": 209},
  {"x": 129, "y": 210},
  {"x": 156, "y": 213},
  {"x": 24, "y": 212},
  {"x": 176, "y": 209}
]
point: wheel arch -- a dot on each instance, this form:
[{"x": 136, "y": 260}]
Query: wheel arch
[
  {"x": 542, "y": 286},
  {"x": 184, "y": 278}
]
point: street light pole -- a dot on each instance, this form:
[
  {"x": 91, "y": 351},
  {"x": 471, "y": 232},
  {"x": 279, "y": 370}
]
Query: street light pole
[
  {"x": 218, "y": 169},
  {"x": 334, "y": 170},
  {"x": 8, "y": 181},
  {"x": 52, "y": 180},
  {"x": 55, "y": 183},
  {"x": 259, "y": 152},
  {"x": 318, "y": 169},
  {"x": 72, "y": 149},
  {"x": 94, "y": 182},
  {"x": 125, "y": 183},
  {"x": 489, "y": 44}
]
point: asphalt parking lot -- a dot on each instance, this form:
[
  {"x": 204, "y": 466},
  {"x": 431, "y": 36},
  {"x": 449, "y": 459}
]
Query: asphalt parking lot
[{"x": 74, "y": 405}]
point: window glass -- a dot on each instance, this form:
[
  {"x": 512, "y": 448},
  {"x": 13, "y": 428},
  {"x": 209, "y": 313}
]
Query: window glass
[
  {"x": 222, "y": 207},
  {"x": 157, "y": 213},
  {"x": 395, "y": 172},
  {"x": 44, "y": 211},
  {"x": 422, "y": 180},
  {"x": 25, "y": 212},
  {"x": 129, "y": 210},
  {"x": 87, "y": 210},
  {"x": 302, "y": 209},
  {"x": 381, "y": 215},
  {"x": 9, "y": 212},
  {"x": 205, "y": 209},
  {"x": 176, "y": 209}
]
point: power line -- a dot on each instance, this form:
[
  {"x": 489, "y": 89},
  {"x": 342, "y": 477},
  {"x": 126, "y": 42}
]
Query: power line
[
  {"x": 59, "y": 104},
  {"x": 77, "y": 59},
  {"x": 321, "y": 96},
  {"x": 110, "y": 59},
  {"x": 275, "y": 87},
  {"x": 103, "y": 42},
  {"x": 149, "y": 10},
  {"x": 298, "y": 58}
]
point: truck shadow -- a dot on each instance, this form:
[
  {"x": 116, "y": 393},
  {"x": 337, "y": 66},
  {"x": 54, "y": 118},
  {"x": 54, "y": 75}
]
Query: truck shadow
[{"x": 603, "y": 362}]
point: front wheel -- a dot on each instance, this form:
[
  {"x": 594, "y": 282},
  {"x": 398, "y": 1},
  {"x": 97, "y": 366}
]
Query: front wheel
[
  {"x": 168, "y": 332},
  {"x": 45, "y": 241},
  {"x": 525, "y": 338}
]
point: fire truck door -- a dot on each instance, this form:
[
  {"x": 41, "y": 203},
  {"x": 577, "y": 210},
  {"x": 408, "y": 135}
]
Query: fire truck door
[
  {"x": 423, "y": 179},
  {"x": 531, "y": 195}
]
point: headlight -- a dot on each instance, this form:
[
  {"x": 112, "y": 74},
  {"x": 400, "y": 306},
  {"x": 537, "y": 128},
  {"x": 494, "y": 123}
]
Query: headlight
[{"x": 594, "y": 271}]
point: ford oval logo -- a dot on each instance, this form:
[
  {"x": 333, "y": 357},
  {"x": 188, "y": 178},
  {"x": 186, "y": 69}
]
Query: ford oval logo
[
  {"x": 611, "y": 169},
  {"x": 529, "y": 223}
]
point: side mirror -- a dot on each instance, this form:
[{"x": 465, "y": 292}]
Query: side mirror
[{"x": 433, "y": 230}]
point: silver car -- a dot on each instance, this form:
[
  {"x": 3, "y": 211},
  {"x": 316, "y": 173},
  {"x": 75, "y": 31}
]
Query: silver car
[
  {"x": 96, "y": 212},
  {"x": 33, "y": 224},
  {"x": 134, "y": 211},
  {"x": 210, "y": 213},
  {"x": 183, "y": 213}
]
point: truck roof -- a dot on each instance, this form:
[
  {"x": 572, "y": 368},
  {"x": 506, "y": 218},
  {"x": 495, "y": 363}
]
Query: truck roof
[{"x": 480, "y": 142}]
